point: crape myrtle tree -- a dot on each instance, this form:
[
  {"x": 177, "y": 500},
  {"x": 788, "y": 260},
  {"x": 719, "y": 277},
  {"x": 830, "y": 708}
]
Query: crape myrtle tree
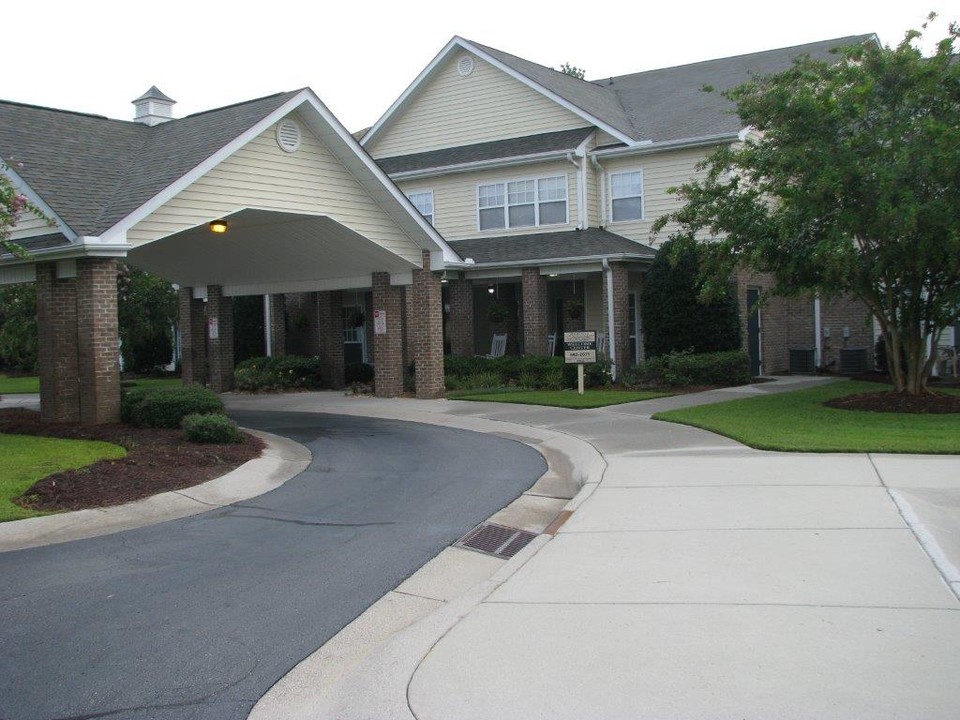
[{"x": 849, "y": 183}]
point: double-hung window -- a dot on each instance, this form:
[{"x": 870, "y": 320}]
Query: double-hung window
[
  {"x": 423, "y": 201},
  {"x": 626, "y": 196},
  {"x": 522, "y": 203}
]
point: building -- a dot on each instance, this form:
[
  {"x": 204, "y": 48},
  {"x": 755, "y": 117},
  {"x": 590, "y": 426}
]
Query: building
[{"x": 491, "y": 181}]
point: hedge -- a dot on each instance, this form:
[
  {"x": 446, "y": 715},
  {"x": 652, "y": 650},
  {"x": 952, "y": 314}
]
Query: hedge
[
  {"x": 211, "y": 428},
  {"x": 535, "y": 372},
  {"x": 725, "y": 369},
  {"x": 278, "y": 373},
  {"x": 166, "y": 407}
]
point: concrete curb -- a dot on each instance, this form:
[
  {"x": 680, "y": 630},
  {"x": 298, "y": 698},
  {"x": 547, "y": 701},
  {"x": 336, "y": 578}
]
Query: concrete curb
[
  {"x": 374, "y": 686},
  {"x": 282, "y": 460}
]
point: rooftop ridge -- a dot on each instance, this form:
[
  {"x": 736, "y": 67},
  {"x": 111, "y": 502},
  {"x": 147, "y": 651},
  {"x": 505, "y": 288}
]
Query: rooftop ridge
[
  {"x": 61, "y": 110},
  {"x": 242, "y": 102}
]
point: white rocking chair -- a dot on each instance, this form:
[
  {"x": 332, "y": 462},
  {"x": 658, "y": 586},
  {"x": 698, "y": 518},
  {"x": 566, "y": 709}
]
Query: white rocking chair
[
  {"x": 498, "y": 347},
  {"x": 602, "y": 344},
  {"x": 551, "y": 344}
]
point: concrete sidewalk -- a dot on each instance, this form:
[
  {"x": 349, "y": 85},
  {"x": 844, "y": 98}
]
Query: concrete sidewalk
[{"x": 699, "y": 579}]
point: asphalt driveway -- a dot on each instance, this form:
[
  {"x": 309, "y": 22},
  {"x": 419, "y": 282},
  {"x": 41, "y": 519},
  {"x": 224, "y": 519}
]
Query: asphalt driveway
[{"x": 197, "y": 618}]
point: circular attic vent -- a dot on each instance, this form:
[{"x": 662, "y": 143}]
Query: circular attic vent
[
  {"x": 288, "y": 135},
  {"x": 465, "y": 65}
]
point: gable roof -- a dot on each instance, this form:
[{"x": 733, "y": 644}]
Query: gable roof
[
  {"x": 93, "y": 171},
  {"x": 552, "y": 142},
  {"x": 654, "y": 106}
]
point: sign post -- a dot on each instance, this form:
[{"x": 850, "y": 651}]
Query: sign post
[{"x": 580, "y": 348}]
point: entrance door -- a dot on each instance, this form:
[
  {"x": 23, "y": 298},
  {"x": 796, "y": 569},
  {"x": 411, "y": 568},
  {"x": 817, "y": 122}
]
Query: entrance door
[
  {"x": 754, "y": 331},
  {"x": 354, "y": 334}
]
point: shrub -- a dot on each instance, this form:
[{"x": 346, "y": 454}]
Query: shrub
[
  {"x": 211, "y": 428},
  {"x": 679, "y": 369},
  {"x": 166, "y": 407},
  {"x": 278, "y": 373},
  {"x": 673, "y": 317},
  {"x": 358, "y": 373},
  {"x": 534, "y": 372}
]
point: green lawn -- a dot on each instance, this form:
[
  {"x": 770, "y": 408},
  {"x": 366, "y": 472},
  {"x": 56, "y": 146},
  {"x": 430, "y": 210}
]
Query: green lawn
[
  {"x": 25, "y": 384},
  {"x": 560, "y": 398},
  {"x": 31, "y": 384},
  {"x": 24, "y": 459},
  {"x": 797, "y": 421}
]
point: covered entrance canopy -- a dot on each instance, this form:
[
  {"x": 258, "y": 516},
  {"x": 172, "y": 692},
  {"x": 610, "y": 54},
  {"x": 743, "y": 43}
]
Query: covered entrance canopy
[{"x": 307, "y": 211}]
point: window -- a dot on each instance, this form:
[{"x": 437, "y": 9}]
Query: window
[
  {"x": 522, "y": 203},
  {"x": 423, "y": 201},
  {"x": 626, "y": 196}
]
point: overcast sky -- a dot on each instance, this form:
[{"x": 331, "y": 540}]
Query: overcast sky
[{"x": 97, "y": 56}]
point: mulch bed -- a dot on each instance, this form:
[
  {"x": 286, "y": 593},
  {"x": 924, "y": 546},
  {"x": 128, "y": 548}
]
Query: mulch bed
[
  {"x": 157, "y": 461},
  {"x": 896, "y": 402}
]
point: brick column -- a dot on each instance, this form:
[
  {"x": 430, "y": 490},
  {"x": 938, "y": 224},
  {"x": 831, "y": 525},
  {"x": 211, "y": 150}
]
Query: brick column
[
  {"x": 621, "y": 319},
  {"x": 330, "y": 336},
  {"x": 409, "y": 347},
  {"x": 98, "y": 341},
  {"x": 278, "y": 325},
  {"x": 219, "y": 339},
  {"x": 534, "y": 312},
  {"x": 388, "y": 348},
  {"x": 428, "y": 330},
  {"x": 57, "y": 352},
  {"x": 78, "y": 341},
  {"x": 193, "y": 339},
  {"x": 461, "y": 318}
]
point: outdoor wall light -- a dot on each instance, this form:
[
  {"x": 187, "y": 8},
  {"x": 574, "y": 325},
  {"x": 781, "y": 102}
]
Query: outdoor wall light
[
  {"x": 219, "y": 226},
  {"x": 490, "y": 289}
]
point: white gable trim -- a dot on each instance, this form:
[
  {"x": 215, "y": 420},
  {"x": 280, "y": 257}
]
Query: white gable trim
[
  {"x": 305, "y": 97},
  {"x": 470, "y": 47},
  {"x": 34, "y": 197}
]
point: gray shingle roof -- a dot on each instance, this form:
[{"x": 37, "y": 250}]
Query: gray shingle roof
[
  {"x": 528, "y": 145},
  {"x": 592, "y": 242},
  {"x": 669, "y": 104},
  {"x": 93, "y": 171}
]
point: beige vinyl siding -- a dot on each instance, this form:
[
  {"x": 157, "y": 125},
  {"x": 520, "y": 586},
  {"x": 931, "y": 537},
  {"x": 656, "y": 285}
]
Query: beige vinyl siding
[
  {"x": 594, "y": 318},
  {"x": 660, "y": 172},
  {"x": 450, "y": 110},
  {"x": 592, "y": 186},
  {"x": 261, "y": 175},
  {"x": 30, "y": 225},
  {"x": 455, "y": 198}
]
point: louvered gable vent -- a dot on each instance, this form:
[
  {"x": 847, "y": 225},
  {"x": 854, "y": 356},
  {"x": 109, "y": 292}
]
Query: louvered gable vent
[{"x": 288, "y": 135}]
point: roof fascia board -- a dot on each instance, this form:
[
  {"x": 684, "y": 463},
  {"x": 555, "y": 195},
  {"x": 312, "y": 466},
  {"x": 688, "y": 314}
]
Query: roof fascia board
[
  {"x": 34, "y": 197},
  {"x": 466, "y": 45},
  {"x": 480, "y": 165},
  {"x": 351, "y": 142},
  {"x": 669, "y": 145},
  {"x": 82, "y": 248}
]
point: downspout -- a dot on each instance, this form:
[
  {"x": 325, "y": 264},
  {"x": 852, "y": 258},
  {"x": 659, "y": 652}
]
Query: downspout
[
  {"x": 611, "y": 336},
  {"x": 602, "y": 200},
  {"x": 267, "y": 327},
  {"x": 581, "y": 224},
  {"x": 818, "y": 340}
]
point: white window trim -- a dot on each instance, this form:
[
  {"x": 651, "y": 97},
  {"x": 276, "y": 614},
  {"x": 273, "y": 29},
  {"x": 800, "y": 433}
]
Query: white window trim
[
  {"x": 433, "y": 203},
  {"x": 536, "y": 203},
  {"x": 643, "y": 195}
]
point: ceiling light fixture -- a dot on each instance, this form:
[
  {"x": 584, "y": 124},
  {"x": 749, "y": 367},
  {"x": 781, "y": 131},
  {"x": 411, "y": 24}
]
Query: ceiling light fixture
[{"x": 219, "y": 226}]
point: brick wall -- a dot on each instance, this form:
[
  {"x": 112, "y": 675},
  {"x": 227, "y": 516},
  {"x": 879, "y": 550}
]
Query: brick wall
[
  {"x": 621, "y": 319},
  {"x": 388, "y": 348},
  {"x": 460, "y": 324},
  {"x": 193, "y": 338},
  {"x": 220, "y": 348},
  {"x": 98, "y": 341},
  {"x": 329, "y": 328},
  {"x": 428, "y": 331},
  {"x": 57, "y": 352},
  {"x": 535, "y": 311}
]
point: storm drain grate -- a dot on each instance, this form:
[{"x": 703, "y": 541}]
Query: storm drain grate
[{"x": 503, "y": 542}]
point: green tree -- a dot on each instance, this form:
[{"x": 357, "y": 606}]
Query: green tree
[
  {"x": 12, "y": 203},
  {"x": 18, "y": 327},
  {"x": 674, "y": 317},
  {"x": 849, "y": 183},
  {"x": 573, "y": 71},
  {"x": 146, "y": 311}
]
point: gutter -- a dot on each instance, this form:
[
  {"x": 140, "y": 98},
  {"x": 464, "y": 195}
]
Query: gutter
[
  {"x": 611, "y": 330},
  {"x": 706, "y": 140},
  {"x": 85, "y": 247},
  {"x": 479, "y": 165},
  {"x": 533, "y": 262}
]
